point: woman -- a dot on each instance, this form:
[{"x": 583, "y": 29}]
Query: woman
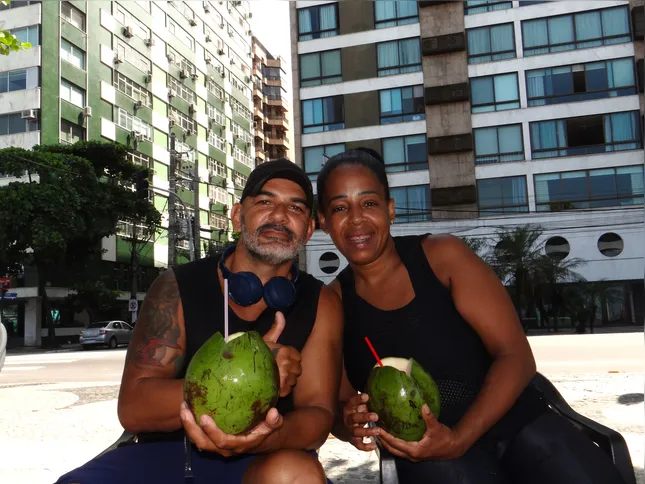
[{"x": 431, "y": 298}]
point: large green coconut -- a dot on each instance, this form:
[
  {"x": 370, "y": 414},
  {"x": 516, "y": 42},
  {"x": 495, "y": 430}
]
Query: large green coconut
[
  {"x": 397, "y": 392},
  {"x": 235, "y": 383}
]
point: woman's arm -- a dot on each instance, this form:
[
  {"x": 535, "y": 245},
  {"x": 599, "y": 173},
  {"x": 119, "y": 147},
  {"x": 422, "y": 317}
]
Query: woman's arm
[{"x": 483, "y": 302}]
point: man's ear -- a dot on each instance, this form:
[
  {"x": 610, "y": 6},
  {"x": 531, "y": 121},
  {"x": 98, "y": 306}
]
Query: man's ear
[
  {"x": 322, "y": 221},
  {"x": 236, "y": 217},
  {"x": 311, "y": 228},
  {"x": 390, "y": 209}
]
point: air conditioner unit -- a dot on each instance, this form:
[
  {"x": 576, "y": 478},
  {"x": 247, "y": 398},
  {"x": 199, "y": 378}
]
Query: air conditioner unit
[
  {"x": 249, "y": 15},
  {"x": 29, "y": 114},
  {"x": 171, "y": 57},
  {"x": 138, "y": 104},
  {"x": 171, "y": 93},
  {"x": 192, "y": 21},
  {"x": 220, "y": 51},
  {"x": 194, "y": 75},
  {"x": 207, "y": 7},
  {"x": 150, "y": 42},
  {"x": 193, "y": 108},
  {"x": 171, "y": 123},
  {"x": 232, "y": 60},
  {"x": 222, "y": 73},
  {"x": 128, "y": 31},
  {"x": 87, "y": 111},
  {"x": 208, "y": 78},
  {"x": 208, "y": 38},
  {"x": 221, "y": 26},
  {"x": 190, "y": 132},
  {"x": 117, "y": 58},
  {"x": 137, "y": 135},
  {"x": 183, "y": 73},
  {"x": 249, "y": 32},
  {"x": 148, "y": 78},
  {"x": 208, "y": 59}
]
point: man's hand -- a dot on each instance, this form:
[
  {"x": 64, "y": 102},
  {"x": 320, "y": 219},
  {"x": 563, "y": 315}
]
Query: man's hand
[
  {"x": 438, "y": 443},
  {"x": 211, "y": 438},
  {"x": 287, "y": 358},
  {"x": 355, "y": 417}
]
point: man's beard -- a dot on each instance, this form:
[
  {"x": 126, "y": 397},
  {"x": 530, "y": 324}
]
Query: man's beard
[{"x": 273, "y": 254}]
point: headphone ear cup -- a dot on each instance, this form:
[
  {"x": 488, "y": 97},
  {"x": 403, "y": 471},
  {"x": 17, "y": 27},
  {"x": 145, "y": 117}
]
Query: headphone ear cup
[
  {"x": 245, "y": 288},
  {"x": 280, "y": 293}
]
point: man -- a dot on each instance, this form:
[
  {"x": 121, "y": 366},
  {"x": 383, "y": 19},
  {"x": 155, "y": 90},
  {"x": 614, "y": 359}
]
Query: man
[{"x": 184, "y": 307}]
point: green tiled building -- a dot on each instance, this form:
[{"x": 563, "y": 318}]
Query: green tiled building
[{"x": 135, "y": 72}]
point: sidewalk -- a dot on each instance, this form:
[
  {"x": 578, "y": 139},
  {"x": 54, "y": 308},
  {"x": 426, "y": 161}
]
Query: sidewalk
[{"x": 35, "y": 350}]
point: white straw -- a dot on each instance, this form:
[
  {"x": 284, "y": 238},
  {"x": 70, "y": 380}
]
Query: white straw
[{"x": 226, "y": 310}]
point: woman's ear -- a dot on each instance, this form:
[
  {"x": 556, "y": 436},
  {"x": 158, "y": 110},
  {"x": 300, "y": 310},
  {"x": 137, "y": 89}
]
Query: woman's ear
[{"x": 390, "y": 209}]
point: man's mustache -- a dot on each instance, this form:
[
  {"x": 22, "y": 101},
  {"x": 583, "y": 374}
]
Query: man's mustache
[{"x": 276, "y": 228}]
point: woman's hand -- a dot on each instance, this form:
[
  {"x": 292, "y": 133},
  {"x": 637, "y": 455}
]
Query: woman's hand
[
  {"x": 355, "y": 417},
  {"x": 438, "y": 443}
]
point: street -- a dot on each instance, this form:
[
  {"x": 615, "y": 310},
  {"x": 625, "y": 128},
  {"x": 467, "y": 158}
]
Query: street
[{"x": 58, "y": 409}]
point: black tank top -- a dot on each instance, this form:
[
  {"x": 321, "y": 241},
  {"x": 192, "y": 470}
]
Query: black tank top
[
  {"x": 432, "y": 331},
  {"x": 202, "y": 301}
]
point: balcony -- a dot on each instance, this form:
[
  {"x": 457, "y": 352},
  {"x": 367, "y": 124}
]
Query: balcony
[
  {"x": 273, "y": 81},
  {"x": 284, "y": 142},
  {"x": 281, "y": 121},
  {"x": 278, "y": 101},
  {"x": 260, "y": 155},
  {"x": 259, "y": 134}
]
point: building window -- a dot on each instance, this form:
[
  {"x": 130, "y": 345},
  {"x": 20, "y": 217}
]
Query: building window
[
  {"x": 27, "y": 34},
  {"x": 71, "y": 93},
  {"x": 239, "y": 179},
  {"x": 324, "y": 114},
  {"x": 70, "y": 133},
  {"x": 315, "y": 157},
  {"x": 586, "y": 135},
  {"x": 240, "y": 109},
  {"x": 181, "y": 120},
  {"x": 605, "y": 187},
  {"x": 406, "y": 153},
  {"x": 217, "y": 221},
  {"x": 14, "y": 124},
  {"x": 215, "y": 116},
  {"x": 320, "y": 68},
  {"x": 240, "y": 86},
  {"x": 132, "y": 56},
  {"x": 403, "y": 104},
  {"x": 132, "y": 89},
  {"x": 141, "y": 159},
  {"x": 497, "y": 196},
  {"x": 498, "y": 144},
  {"x": 494, "y": 93},
  {"x": 213, "y": 88},
  {"x": 182, "y": 91},
  {"x": 13, "y": 80},
  {"x": 128, "y": 20},
  {"x": 480, "y": 6},
  {"x": 411, "y": 204},
  {"x": 216, "y": 141},
  {"x": 582, "y": 82},
  {"x": 486, "y": 44},
  {"x": 72, "y": 15},
  {"x": 217, "y": 195},
  {"x": 72, "y": 54},
  {"x": 131, "y": 123},
  {"x": 399, "y": 57},
  {"x": 390, "y": 13},
  {"x": 576, "y": 31},
  {"x": 185, "y": 38},
  {"x": 318, "y": 22},
  {"x": 17, "y": 4},
  {"x": 215, "y": 168}
]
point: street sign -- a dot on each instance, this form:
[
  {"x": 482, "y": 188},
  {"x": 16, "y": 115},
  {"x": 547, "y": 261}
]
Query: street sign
[
  {"x": 133, "y": 305},
  {"x": 10, "y": 295}
]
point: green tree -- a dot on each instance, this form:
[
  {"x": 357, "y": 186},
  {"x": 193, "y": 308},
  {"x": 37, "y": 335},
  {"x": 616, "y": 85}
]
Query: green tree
[
  {"x": 9, "y": 42},
  {"x": 94, "y": 296},
  {"x": 76, "y": 196}
]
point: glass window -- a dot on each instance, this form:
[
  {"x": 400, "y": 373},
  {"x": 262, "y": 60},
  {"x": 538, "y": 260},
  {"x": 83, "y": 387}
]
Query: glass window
[
  {"x": 498, "y": 144},
  {"x": 494, "y": 43},
  {"x": 27, "y": 34},
  {"x": 390, "y": 13},
  {"x": 71, "y": 133},
  {"x": 399, "y": 57},
  {"x": 131, "y": 123},
  {"x": 404, "y": 104},
  {"x": 497, "y": 196},
  {"x": 72, "y": 54},
  {"x": 318, "y": 22},
  {"x": 73, "y": 15},
  {"x": 72, "y": 93},
  {"x": 181, "y": 34},
  {"x": 129, "y": 20},
  {"x": 582, "y": 82},
  {"x": 494, "y": 93},
  {"x": 406, "y": 153},
  {"x": 132, "y": 89},
  {"x": 320, "y": 68},
  {"x": 606, "y": 187},
  {"x": 315, "y": 157},
  {"x": 480, "y": 6},
  {"x": 586, "y": 135},
  {"x": 132, "y": 56},
  {"x": 576, "y": 31},
  {"x": 14, "y": 124},
  {"x": 411, "y": 204},
  {"x": 13, "y": 80},
  {"x": 323, "y": 114}
]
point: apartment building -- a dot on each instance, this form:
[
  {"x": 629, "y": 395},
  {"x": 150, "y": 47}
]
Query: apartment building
[
  {"x": 488, "y": 114},
  {"x": 270, "y": 105},
  {"x": 136, "y": 72}
]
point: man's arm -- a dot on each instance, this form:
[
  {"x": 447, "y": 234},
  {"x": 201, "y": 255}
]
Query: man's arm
[
  {"x": 151, "y": 395},
  {"x": 315, "y": 395}
]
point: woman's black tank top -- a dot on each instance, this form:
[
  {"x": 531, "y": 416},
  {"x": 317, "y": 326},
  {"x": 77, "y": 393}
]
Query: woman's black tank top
[
  {"x": 202, "y": 301},
  {"x": 432, "y": 331}
]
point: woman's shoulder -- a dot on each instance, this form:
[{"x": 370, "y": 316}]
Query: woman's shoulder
[{"x": 445, "y": 254}]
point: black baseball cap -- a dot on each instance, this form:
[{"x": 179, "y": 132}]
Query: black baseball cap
[{"x": 280, "y": 168}]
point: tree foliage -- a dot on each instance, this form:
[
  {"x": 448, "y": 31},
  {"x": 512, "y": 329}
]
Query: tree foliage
[
  {"x": 74, "y": 196},
  {"x": 8, "y": 42}
]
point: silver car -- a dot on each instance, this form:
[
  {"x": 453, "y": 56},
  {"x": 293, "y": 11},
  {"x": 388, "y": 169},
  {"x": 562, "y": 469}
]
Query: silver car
[{"x": 109, "y": 333}]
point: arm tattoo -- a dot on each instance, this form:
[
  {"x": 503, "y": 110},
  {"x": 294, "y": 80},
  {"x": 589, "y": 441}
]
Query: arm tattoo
[{"x": 156, "y": 341}]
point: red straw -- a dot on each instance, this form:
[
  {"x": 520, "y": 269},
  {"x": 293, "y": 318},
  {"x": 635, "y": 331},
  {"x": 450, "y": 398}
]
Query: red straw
[{"x": 378, "y": 360}]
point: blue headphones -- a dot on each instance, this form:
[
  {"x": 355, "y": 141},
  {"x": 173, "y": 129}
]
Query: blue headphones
[{"x": 246, "y": 289}]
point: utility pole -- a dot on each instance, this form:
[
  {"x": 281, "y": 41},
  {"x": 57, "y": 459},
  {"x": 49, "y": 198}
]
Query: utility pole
[
  {"x": 134, "y": 267},
  {"x": 172, "y": 213},
  {"x": 197, "y": 239}
]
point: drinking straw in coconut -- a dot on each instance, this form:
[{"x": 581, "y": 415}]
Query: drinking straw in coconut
[
  {"x": 226, "y": 310},
  {"x": 378, "y": 360}
]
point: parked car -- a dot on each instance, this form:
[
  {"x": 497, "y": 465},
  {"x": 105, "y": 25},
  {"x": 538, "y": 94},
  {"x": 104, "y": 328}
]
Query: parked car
[{"x": 109, "y": 333}]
